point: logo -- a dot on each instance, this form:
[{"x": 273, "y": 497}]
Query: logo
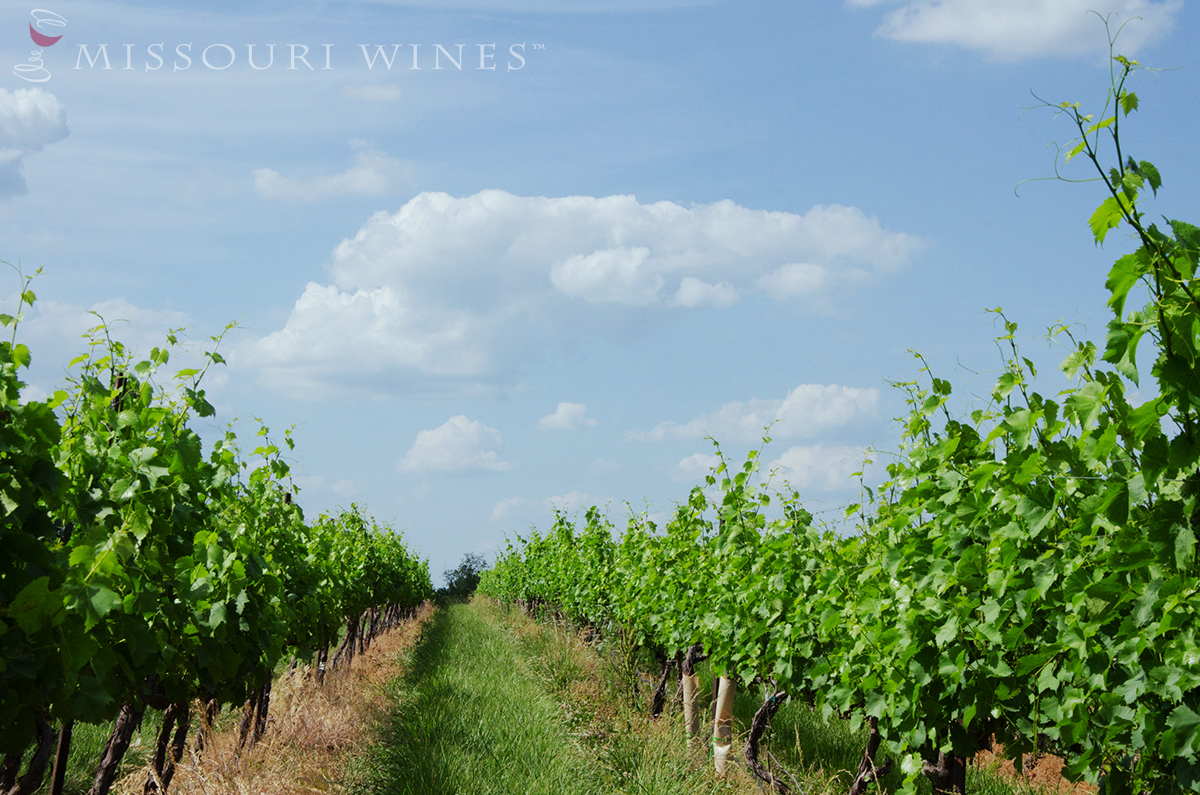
[{"x": 35, "y": 71}]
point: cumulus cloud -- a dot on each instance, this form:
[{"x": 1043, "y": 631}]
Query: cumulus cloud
[
  {"x": 808, "y": 410},
  {"x": 572, "y": 501},
  {"x": 373, "y": 92},
  {"x": 693, "y": 292},
  {"x": 30, "y": 119},
  {"x": 524, "y": 508},
  {"x": 1013, "y": 30},
  {"x": 567, "y": 417},
  {"x": 458, "y": 445},
  {"x": 459, "y": 291},
  {"x": 819, "y": 467},
  {"x": 698, "y": 464},
  {"x": 373, "y": 175}
]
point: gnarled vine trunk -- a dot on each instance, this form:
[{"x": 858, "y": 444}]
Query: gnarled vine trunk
[
  {"x": 118, "y": 743},
  {"x": 36, "y": 772},
  {"x": 868, "y": 771},
  {"x": 168, "y": 750},
  {"x": 949, "y": 775},
  {"x": 59, "y": 775},
  {"x": 762, "y": 719},
  {"x": 660, "y": 691}
]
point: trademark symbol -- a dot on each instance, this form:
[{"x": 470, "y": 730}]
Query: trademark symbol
[{"x": 539, "y": 46}]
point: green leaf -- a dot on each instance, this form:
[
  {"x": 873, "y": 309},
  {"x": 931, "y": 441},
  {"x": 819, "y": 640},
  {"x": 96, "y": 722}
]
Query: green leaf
[
  {"x": 33, "y": 605},
  {"x": 1185, "y": 722},
  {"x": 1076, "y": 149},
  {"x": 1185, "y": 548},
  {"x": 20, "y": 355},
  {"x": 1120, "y": 347},
  {"x": 1123, "y": 276},
  {"x": 1107, "y": 216},
  {"x": 102, "y": 600},
  {"x": 1046, "y": 679},
  {"x": 1129, "y": 102},
  {"x": 1151, "y": 174}
]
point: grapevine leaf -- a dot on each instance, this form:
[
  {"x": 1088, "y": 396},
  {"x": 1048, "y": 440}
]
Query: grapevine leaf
[
  {"x": 1124, "y": 274},
  {"x": 102, "y": 600},
  {"x": 1076, "y": 149},
  {"x": 33, "y": 605},
  {"x": 1107, "y": 216},
  {"x": 1185, "y": 722},
  {"x": 1151, "y": 174},
  {"x": 1120, "y": 347}
]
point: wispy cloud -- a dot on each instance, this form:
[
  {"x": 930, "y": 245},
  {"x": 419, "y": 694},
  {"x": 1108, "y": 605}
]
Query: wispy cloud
[
  {"x": 808, "y": 410},
  {"x": 567, "y": 417},
  {"x": 372, "y": 175},
  {"x": 1012, "y": 30},
  {"x": 373, "y": 92}
]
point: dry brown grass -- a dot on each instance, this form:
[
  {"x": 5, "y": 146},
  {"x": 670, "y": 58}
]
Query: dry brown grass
[
  {"x": 1041, "y": 774},
  {"x": 313, "y": 735}
]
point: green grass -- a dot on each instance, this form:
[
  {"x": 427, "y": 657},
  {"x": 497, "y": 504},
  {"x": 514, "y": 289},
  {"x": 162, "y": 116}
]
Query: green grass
[
  {"x": 493, "y": 703},
  {"x": 87, "y": 748},
  {"x": 471, "y": 719}
]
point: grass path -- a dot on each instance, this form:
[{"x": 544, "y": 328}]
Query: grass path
[
  {"x": 471, "y": 721},
  {"x": 495, "y": 704}
]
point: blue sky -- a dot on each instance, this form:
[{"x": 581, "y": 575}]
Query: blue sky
[{"x": 478, "y": 293}]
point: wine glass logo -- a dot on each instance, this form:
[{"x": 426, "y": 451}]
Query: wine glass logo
[
  {"x": 35, "y": 70},
  {"x": 45, "y": 19}
]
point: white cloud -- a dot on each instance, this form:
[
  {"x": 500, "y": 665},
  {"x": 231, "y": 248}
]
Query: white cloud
[
  {"x": 524, "y": 508},
  {"x": 1013, "y": 30},
  {"x": 693, "y": 293},
  {"x": 30, "y": 118},
  {"x": 567, "y": 417},
  {"x": 373, "y": 92},
  {"x": 511, "y": 506},
  {"x": 451, "y": 293},
  {"x": 818, "y": 467},
  {"x": 698, "y": 464},
  {"x": 458, "y": 445},
  {"x": 602, "y": 466},
  {"x": 347, "y": 488},
  {"x": 374, "y": 175},
  {"x": 795, "y": 279},
  {"x": 807, "y": 411},
  {"x": 572, "y": 501}
]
